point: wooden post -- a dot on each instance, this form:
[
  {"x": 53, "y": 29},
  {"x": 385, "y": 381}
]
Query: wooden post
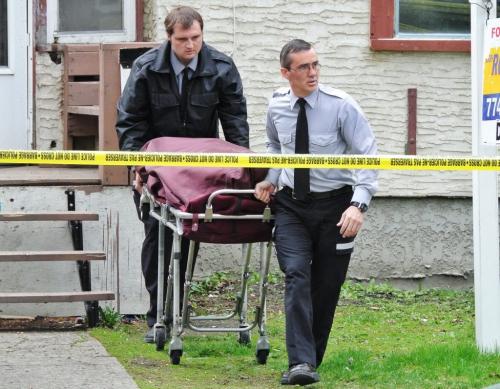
[
  {"x": 109, "y": 93},
  {"x": 80, "y": 103}
]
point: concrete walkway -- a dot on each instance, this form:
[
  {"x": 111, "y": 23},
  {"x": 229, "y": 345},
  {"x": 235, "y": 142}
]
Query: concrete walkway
[{"x": 58, "y": 360}]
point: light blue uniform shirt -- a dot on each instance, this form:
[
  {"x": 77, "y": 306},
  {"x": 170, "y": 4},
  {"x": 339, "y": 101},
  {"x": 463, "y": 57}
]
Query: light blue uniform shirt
[
  {"x": 178, "y": 67},
  {"x": 336, "y": 126}
]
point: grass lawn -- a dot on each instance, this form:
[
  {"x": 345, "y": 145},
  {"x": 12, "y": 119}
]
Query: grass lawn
[{"x": 381, "y": 338}]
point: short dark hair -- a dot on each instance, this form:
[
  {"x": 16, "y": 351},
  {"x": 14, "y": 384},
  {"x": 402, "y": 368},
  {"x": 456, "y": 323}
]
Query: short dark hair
[
  {"x": 186, "y": 16},
  {"x": 294, "y": 46}
]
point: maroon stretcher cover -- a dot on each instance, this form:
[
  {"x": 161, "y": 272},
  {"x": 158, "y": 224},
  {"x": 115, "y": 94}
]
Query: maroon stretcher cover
[{"x": 188, "y": 188}]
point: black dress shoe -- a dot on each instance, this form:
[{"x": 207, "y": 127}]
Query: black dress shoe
[
  {"x": 284, "y": 378},
  {"x": 302, "y": 374},
  {"x": 150, "y": 335}
]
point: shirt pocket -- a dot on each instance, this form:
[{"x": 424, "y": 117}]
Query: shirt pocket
[
  {"x": 287, "y": 142},
  {"x": 205, "y": 100},
  {"x": 323, "y": 144},
  {"x": 163, "y": 101}
]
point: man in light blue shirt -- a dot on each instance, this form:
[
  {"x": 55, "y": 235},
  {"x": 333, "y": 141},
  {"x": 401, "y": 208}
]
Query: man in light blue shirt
[{"x": 318, "y": 211}]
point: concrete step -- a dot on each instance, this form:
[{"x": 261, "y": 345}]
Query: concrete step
[
  {"x": 59, "y": 297},
  {"x": 24, "y": 256},
  {"x": 47, "y": 216}
]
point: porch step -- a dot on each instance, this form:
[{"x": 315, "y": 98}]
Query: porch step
[
  {"x": 55, "y": 297},
  {"x": 74, "y": 220},
  {"x": 22, "y": 256},
  {"x": 46, "y": 216}
]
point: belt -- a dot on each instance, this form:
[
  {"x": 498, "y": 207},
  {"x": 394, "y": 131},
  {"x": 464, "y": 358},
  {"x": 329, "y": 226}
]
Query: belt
[{"x": 320, "y": 195}]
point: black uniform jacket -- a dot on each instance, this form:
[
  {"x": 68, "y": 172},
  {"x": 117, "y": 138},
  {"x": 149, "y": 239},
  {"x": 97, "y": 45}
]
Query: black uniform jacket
[{"x": 150, "y": 104}]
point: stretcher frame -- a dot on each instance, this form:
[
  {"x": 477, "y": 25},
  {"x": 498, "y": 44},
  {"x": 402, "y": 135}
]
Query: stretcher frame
[{"x": 171, "y": 321}]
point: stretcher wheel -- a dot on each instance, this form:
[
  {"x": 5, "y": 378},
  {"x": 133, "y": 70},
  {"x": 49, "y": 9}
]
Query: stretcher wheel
[
  {"x": 262, "y": 356},
  {"x": 244, "y": 337},
  {"x": 160, "y": 338},
  {"x": 175, "y": 356}
]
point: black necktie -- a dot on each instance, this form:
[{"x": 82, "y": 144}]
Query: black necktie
[
  {"x": 301, "y": 175},
  {"x": 184, "y": 93}
]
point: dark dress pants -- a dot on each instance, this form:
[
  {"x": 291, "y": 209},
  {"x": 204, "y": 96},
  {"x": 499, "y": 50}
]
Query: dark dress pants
[
  {"x": 149, "y": 259},
  {"x": 315, "y": 267}
]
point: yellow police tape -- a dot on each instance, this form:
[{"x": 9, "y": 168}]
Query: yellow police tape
[{"x": 118, "y": 158}]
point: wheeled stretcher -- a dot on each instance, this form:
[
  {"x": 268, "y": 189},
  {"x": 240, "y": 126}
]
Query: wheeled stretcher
[{"x": 219, "y": 208}]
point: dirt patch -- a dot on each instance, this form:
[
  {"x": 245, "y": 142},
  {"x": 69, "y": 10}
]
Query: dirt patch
[
  {"x": 41, "y": 323},
  {"x": 223, "y": 298}
]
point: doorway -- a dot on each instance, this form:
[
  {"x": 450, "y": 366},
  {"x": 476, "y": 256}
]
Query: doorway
[{"x": 15, "y": 73}]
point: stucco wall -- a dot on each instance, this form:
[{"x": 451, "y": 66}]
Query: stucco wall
[
  {"x": 48, "y": 124},
  {"x": 253, "y": 34},
  {"x": 428, "y": 240}
]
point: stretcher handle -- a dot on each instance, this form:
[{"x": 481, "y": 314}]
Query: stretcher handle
[
  {"x": 209, "y": 210},
  {"x": 227, "y": 191}
]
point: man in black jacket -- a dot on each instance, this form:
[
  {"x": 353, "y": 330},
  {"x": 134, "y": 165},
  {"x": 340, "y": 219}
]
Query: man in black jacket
[{"x": 182, "y": 88}]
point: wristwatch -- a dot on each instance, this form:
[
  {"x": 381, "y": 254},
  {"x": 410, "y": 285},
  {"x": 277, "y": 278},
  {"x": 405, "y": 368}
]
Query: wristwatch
[{"x": 361, "y": 206}]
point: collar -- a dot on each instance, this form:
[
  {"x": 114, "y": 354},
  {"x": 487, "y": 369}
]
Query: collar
[
  {"x": 178, "y": 66},
  {"x": 310, "y": 99},
  {"x": 206, "y": 64}
]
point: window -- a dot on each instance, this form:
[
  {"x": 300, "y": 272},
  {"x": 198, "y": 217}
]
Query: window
[
  {"x": 421, "y": 25},
  {"x": 4, "y": 35},
  {"x": 75, "y": 15},
  {"x": 90, "y": 21},
  {"x": 438, "y": 18}
]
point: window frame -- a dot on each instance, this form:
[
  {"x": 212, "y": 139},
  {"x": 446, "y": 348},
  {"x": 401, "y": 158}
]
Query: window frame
[
  {"x": 383, "y": 37},
  {"x": 127, "y": 35},
  {"x": 9, "y": 68}
]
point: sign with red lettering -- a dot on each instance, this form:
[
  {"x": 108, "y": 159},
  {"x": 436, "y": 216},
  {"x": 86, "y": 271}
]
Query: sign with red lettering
[{"x": 490, "y": 126}]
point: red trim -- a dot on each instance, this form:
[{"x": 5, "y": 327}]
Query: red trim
[
  {"x": 139, "y": 20},
  {"x": 382, "y": 34},
  {"x": 382, "y": 19},
  {"x": 395, "y": 44}
]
